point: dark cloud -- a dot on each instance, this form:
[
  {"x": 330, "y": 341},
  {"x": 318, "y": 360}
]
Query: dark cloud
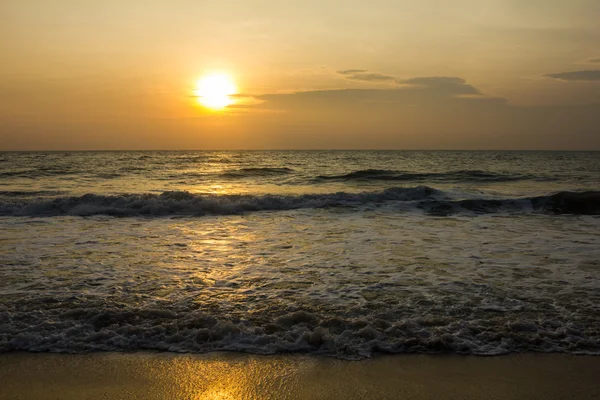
[
  {"x": 426, "y": 113},
  {"x": 351, "y": 71},
  {"x": 371, "y": 78},
  {"x": 446, "y": 84},
  {"x": 365, "y": 76},
  {"x": 423, "y": 91},
  {"x": 433, "y": 81},
  {"x": 590, "y": 75}
]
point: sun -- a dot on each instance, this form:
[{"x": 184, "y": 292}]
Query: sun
[{"x": 215, "y": 91}]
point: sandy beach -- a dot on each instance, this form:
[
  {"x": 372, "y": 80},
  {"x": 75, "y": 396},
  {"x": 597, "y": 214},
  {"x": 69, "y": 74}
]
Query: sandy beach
[{"x": 241, "y": 376}]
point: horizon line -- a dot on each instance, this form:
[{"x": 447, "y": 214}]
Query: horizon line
[{"x": 274, "y": 149}]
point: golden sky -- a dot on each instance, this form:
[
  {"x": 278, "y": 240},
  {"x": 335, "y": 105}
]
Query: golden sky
[{"x": 427, "y": 74}]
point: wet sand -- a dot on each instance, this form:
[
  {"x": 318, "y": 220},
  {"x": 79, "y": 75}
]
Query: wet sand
[{"x": 241, "y": 376}]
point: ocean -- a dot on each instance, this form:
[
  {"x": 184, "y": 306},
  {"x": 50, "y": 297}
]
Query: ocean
[{"x": 340, "y": 253}]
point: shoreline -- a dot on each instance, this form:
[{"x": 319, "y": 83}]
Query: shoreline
[{"x": 222, "y": 375}]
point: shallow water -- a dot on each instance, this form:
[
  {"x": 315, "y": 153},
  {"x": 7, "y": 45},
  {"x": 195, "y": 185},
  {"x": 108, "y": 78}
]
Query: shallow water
[{"x": 338, "y": 253}]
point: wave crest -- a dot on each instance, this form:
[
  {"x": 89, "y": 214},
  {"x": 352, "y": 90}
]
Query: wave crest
[
  {"x": 391, "y": 175},
  {"x": 184, "y": 203},
  {"x": 254, "y": 172},
  {"x": 116, "y": 329}
]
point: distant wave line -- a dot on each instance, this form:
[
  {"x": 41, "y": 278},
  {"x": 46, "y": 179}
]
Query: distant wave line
[
  {"x": 184, "y": 203},
  {"x": 461, "y": 175}
]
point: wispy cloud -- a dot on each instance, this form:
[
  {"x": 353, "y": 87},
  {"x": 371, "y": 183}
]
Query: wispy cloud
[
  {"x": 433, "y": 81},
  {"x": 351, "y": 71},
  {"x": 590, "y": 75},
  {"x": 371, "y": 78},
  {"x": 427, "y": 91},
  {"x": 442, "y": 85},
  {"x": 415, "y": 112},
  {"x": 365, "y": 76},
  {"x": 447, "y": 84}
]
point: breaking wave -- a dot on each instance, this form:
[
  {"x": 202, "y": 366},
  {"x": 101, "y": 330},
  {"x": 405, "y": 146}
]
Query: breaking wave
[
  {"x": 185, "y": 203},
  {"x": 581, "y": 203},
  {"x": 390, "y": 175},
  {"x": 90, "y": 327},
  {"x": 189, "y": 204}
]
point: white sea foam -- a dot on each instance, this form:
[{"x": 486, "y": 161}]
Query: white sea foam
[
  {"x": 329, "y": 281},
  {"x": 346, "y": 254}
]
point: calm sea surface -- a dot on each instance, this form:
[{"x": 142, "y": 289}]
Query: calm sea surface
[{"x": 342, "y": 253}]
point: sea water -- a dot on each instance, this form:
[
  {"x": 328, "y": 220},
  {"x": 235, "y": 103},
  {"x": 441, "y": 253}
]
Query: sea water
[{"x": 341, "y": 253}]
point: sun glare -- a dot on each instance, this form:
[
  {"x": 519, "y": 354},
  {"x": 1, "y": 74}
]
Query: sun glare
[{"x": 215, "y": 91}]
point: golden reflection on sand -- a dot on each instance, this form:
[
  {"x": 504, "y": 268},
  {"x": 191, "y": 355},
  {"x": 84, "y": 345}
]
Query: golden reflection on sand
[{"x": 215, "y": 376}]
